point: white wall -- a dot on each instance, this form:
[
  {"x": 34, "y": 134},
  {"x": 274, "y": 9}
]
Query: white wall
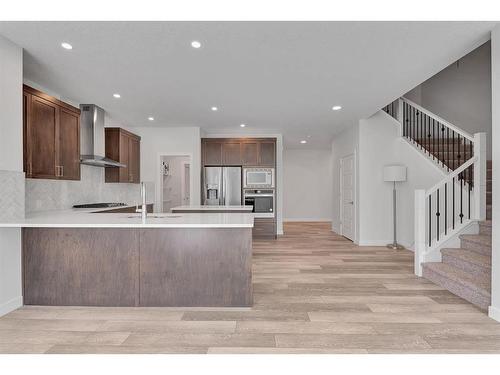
[
  {"x": 344, "y": 144},
  {"x": 461, "y": 93},
  {"x": 11, "y": 96},
  {"x": 307, "y": 185},
  {"x": 380, "y": 145},
  {"x": 11, "y": 173},
  {"x": 157, "y": 141},
  {"x": 494, "y": 310}
]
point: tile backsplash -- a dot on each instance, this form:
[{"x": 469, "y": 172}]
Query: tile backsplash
[
  {"x": 43, "y": 195},
  {"x": 11, "y": 195}
]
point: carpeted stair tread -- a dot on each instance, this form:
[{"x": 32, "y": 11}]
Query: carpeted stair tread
[
  {"x": 480, "y": 239},
  {"x": 480, "y": 285},
  {"x": 469, "y": 256}
]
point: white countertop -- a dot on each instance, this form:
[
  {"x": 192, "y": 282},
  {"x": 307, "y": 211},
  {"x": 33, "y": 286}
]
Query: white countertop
[
  {"x": 83, "y": 218},
  {"x": 214, "y": 208}
]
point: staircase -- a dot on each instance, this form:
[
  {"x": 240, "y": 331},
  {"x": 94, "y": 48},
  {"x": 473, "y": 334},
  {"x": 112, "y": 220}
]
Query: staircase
[
  {"x": 445, "y": 211},
  {"x": 466, "y": 271}
]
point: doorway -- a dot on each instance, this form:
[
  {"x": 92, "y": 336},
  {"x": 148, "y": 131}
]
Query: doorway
[
  {"x": 175, "y": 175},
  {"x": 347, "y": 196}
]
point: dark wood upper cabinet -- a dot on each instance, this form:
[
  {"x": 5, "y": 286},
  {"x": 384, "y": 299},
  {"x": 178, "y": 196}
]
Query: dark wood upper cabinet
[
  {"x": 51, "y": 137},
  {"x": 69, "y": 141},
  {"x": 267, "y": 153},
  {"x": 134, "y": 160},
  {"x": 231, "y": 153},
  {"x": 249, "y": 153},
  {"x": 212, "y": 154},
  {"x": 123, "y": 146}
]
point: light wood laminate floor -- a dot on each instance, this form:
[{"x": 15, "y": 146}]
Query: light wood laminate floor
[{"x": 314, "y": 292}]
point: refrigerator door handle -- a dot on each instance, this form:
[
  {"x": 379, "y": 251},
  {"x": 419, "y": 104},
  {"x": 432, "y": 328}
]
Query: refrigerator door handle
[{"x": 222, "y": 186}]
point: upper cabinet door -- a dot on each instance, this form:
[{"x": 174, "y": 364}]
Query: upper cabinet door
[
  {"x": 249, "y": 153},
  {"x": 134, "y": 160},
  {"x": 213, "y": 153},
  {"x": 42, "y": 135},
  {"x": 69, "y": 145},
  {"x": 267, "y": 154},
  {"x": 51, "y": 137},
  {"x": 124, "y": 148},
  {"x": 231, "y": 153}
]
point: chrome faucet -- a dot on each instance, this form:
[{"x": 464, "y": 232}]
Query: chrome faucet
[{"x": 144, "y": 209}]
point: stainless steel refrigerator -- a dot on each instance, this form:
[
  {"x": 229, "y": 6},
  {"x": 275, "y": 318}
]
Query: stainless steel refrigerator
[{"x": 222, "y": 186}]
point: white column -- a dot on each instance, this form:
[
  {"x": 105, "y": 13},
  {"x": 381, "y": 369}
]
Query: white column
[
  {"x": 420, "y": 246},
  {"x": 480, "y": 177},
  {"x": 494, "y": 310}
]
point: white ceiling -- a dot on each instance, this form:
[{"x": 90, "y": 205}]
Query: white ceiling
[{"x": 277, "y": 77}]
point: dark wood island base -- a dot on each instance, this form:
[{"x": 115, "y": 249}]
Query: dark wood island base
[{"x": 175, "y": 267}]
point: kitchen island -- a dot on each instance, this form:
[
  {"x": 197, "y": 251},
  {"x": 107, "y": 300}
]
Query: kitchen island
[{"x": 93, "y": 259}]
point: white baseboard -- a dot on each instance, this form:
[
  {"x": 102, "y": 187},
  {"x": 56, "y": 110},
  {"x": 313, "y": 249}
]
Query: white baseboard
[
  {"x": 494, "y": 313},
  {"x": 374, "y": 242},
  {"x": 11, "y": 305}
]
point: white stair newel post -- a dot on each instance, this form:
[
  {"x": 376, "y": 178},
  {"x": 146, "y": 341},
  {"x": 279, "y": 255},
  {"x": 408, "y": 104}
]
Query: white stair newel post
[
  {"x": 420, "y": 246},
  {"x": 480, "y": 177}
]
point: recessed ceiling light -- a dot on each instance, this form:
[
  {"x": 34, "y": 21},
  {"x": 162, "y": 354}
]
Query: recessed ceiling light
[
  {"x": 195, "y": 44},
  {"x": 242, "y": 125},
  {"x": 336, "y": 107},
  {"x": 150, "y": 118},
  {"x": 66, "y": 45},
  {"x": 215, "y": 109},
  {"x": 117, "y": 96},
  {"x": 303, "y": 141}
]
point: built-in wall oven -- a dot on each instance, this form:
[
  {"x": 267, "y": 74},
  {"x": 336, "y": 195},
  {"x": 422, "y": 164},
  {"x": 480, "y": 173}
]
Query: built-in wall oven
[
  {"x": 258, "y": 178},
  {"x": 262, "y": 201}
]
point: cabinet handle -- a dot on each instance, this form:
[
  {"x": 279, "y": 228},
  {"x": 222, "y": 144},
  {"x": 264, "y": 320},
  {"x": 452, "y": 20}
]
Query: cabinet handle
[{"x": 62, "y": 170}]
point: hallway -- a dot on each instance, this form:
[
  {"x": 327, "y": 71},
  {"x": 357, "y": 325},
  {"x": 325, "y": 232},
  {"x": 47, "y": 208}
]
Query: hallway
[{"x": 314, "y": 292}]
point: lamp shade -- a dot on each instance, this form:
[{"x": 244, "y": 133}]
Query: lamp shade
[{"x": 394, "y": 173}]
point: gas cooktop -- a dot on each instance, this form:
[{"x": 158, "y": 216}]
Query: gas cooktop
[{"x": 99, "y": 205}]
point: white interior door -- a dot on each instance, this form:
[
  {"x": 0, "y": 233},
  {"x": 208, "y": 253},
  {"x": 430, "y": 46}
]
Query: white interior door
[{"x": 347, "y": 196}]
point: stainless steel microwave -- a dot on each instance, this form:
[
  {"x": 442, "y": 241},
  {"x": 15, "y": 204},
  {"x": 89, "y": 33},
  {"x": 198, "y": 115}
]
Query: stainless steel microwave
[{"x": 256, "y": 178}]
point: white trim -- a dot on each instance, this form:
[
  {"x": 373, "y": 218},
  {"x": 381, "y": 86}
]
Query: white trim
[
  {"x": 11, "y": 305},
  {"x": 494, "y": 313},
  {"x": 382, "y": 243}
]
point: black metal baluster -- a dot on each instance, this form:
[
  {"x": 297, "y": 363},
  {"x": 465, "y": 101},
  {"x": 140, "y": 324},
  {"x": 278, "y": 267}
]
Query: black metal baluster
[
  {"x": 430, "y": 221},
  {"x": 445, "y": 209},
  {"x": 453, "y": 198},
  {"x": 461, "y": 199},
  {"x": 428, "y": 135},
  {"x": 433, "y": 140},
  {"x": 454, "y": 156},
  {"x": 437, "y": 216},
  {"x": 448, "y": 146},
  {"x": 458, "y": 151},
  {"x": 442, "y": 144},
  {"x": 469, "y": 189}
]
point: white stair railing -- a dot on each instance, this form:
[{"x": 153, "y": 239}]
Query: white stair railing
[{"x": 445, "y": 209}]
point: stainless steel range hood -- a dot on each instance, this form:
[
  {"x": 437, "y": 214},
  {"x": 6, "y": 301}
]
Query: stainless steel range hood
[{"x": 92, "y": 138}]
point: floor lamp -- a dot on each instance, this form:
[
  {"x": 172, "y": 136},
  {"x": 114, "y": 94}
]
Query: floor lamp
[{"x": 394, "y": 173}]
